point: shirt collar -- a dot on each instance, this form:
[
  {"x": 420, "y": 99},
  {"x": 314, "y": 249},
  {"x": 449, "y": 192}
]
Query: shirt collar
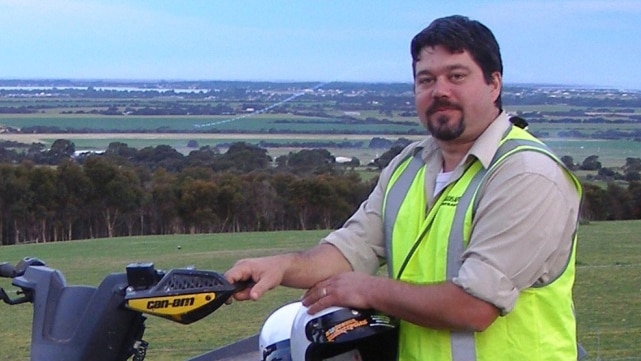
[
  {"x": 487, "y": 143},
  {"x": 483, "y": 148}
]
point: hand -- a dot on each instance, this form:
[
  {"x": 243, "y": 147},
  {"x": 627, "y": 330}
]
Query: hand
[
  {"x": 347, "y": 289},
  {"x": 265, "y": 273}
]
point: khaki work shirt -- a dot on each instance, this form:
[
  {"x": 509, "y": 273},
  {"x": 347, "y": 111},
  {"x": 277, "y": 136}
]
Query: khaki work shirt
[{"x": 522, "y": 233}]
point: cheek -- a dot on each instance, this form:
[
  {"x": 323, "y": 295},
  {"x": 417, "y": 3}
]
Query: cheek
[{"x": 421, "y": 102}]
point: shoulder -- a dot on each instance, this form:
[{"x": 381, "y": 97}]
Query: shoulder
[
  {"x": 533, "y": 162},
  {"x": 534, "y": 173},
  {"x": 420, "y": 148}
]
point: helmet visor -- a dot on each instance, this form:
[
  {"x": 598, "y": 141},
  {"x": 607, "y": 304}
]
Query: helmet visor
[{"x": 280, "y": 351}]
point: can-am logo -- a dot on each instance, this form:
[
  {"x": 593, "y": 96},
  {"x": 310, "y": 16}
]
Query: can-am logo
[{"x": 177, "y": 302}]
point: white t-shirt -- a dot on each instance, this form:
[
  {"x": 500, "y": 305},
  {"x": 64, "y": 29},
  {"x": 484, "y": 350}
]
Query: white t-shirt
[{"x": 441, "y": 181}]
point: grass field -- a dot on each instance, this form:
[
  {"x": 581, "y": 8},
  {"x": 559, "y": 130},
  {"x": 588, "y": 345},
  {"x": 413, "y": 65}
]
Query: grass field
[{"x": 607, "y": 291}]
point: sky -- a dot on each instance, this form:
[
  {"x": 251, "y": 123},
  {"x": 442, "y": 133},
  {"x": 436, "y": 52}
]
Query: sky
[{"x": 594, "y": 43}]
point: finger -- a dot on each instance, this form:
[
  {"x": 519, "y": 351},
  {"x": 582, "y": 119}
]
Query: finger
[
  {"x": 243, "y": 295},
  {"x": 236, "y": 274},
  {"x": 319, "y": 305},
  {"x": 314, "y": 295},
  {"x": 258, "y": 289}
]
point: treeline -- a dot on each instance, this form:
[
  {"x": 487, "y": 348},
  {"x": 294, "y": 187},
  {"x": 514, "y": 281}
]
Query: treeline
[
  {"x": 157, "y": 190},
  {"x": 142, "y": 192}
]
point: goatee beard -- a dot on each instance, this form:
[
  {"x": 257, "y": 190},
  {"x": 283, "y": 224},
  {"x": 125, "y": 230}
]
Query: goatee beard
[{"x": 439, "y": 128}]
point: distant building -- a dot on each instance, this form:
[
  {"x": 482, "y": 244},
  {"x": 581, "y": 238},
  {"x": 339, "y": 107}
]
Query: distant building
[{"x": 340, "y": 159}]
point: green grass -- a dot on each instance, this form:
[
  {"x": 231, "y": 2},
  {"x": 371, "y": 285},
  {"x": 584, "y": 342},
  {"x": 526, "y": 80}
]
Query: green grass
[
  {"x": 87, "y": 262},
  {"x": 607, "y": 290}
]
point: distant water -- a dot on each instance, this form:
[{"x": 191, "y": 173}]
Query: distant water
[{"x": 100, "y": 88}]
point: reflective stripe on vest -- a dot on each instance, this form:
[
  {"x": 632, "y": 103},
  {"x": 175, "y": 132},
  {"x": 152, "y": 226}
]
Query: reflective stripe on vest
[{"x": 462, "y": 343}]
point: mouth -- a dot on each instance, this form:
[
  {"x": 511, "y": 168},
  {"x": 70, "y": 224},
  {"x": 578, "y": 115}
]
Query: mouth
[{"x": 441, "y": 107}]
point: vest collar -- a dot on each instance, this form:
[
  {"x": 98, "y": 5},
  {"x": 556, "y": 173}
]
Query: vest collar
[{"x": 486, "y": 145}]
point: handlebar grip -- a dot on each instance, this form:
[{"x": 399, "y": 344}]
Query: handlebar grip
[
  {"x": 7, "y": 270},
  {"x": 242, "y": 285}
]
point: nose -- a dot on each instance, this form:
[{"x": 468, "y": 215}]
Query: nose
[{"x": 440, "y": 89}]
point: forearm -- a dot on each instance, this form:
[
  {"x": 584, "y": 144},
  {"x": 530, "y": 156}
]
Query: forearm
[
  {"x": 439, "y": 306},
  {"x": 307, "y": 268}
]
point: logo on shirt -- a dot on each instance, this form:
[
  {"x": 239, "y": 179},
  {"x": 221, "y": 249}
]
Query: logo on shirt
[{"x": 451, "y": 201}]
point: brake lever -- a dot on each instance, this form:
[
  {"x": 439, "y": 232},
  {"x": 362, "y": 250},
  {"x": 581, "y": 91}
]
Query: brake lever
[{"x": 25, "y": 263}]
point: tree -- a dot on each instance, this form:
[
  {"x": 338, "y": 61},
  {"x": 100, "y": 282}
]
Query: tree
[
  {"x": 594, "y": 203},
  {"x": 382, "y": 161},
  {"x": 299, "y": 197},
  {"x": 354, "y": 162},
  {"x": 198, "y": 204},
  {"x": 632, "y": 165},
  {"x": 263, "y": 208},
  {"x": 230, "y": 201},
  {"x": 591, "y": 163},
  {"x": 192, "y": 143},
  {"x": 160, "y": 156},
  {"x": 243, "y": 157},
  {"x": 60, "y": 149},
  {"x": 117, "y": 190},
  {"x": 73, "y": 188},
  {"x": 617, "y": 202},
  {"x": 568, "y": 162},
  {"x": 18, "y": 202},
  {"x": 634, "y": 191},
  {"x": 311, "y": 160},
  {"x": 122, "y": 150},
  {"x": 163, "y": 205}
]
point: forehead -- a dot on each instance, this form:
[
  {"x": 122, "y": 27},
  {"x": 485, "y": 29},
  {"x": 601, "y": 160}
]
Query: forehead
[{"x": 434, "y": 58}]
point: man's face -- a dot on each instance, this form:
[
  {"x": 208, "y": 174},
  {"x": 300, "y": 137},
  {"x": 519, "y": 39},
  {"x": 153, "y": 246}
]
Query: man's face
[{"x": 453, "y": 101}]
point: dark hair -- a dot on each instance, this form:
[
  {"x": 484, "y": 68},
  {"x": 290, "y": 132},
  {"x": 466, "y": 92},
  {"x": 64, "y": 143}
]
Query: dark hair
[{"x": 458, "y": 33}]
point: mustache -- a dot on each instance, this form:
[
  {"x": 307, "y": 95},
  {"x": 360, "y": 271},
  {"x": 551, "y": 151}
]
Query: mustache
[{"x": 440, "y": 104}]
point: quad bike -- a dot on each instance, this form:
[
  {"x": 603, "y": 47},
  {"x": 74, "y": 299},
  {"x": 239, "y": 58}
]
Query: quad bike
[{"x": 106, "y": 323}]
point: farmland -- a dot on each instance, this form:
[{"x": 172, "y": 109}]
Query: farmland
[{"x": 284, "y": 117}]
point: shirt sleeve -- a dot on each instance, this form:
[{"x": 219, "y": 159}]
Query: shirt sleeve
[
  {"x": 523, "y": 230},
  {"x": 361, "y": 238}
]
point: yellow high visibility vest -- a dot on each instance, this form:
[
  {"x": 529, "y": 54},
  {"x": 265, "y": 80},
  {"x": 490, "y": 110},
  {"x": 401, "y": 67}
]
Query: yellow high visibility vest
[{"x": 426, "y": 248}]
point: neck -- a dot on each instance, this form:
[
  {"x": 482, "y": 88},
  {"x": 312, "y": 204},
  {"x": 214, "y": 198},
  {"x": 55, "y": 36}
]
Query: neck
[
  {"x": 454, "y": 150},
  {"x": 453, "y": 153}
]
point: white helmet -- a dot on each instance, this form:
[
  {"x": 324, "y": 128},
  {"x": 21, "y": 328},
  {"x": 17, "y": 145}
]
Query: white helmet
[
  {"x": 273, "y": 342},
  {"x": 339, "y": 333}
]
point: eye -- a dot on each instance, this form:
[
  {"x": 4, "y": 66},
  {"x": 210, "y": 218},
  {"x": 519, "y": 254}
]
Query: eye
[
  {"x": 424, "y": 80},
  {"x": 457, "y": 77}
]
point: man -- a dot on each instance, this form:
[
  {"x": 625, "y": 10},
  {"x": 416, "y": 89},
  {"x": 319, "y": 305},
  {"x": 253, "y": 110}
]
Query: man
[{"x": 476, "y": 223}]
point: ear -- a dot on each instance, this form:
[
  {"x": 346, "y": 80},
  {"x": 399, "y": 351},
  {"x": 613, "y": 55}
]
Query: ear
[{"x": 496, "y": 85}]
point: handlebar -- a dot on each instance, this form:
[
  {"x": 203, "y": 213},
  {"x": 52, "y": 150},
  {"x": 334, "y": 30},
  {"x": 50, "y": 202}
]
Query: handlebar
[
  {"x": 106, "y": 323},
  {"x": 7, "y": 270}
]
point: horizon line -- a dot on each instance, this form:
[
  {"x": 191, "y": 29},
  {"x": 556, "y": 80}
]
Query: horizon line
[{"x": 177, "y": 80}]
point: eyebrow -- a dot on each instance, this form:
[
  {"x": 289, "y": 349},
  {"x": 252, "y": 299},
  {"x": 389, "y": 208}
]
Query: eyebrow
[{"x": 451, "y": 67}]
